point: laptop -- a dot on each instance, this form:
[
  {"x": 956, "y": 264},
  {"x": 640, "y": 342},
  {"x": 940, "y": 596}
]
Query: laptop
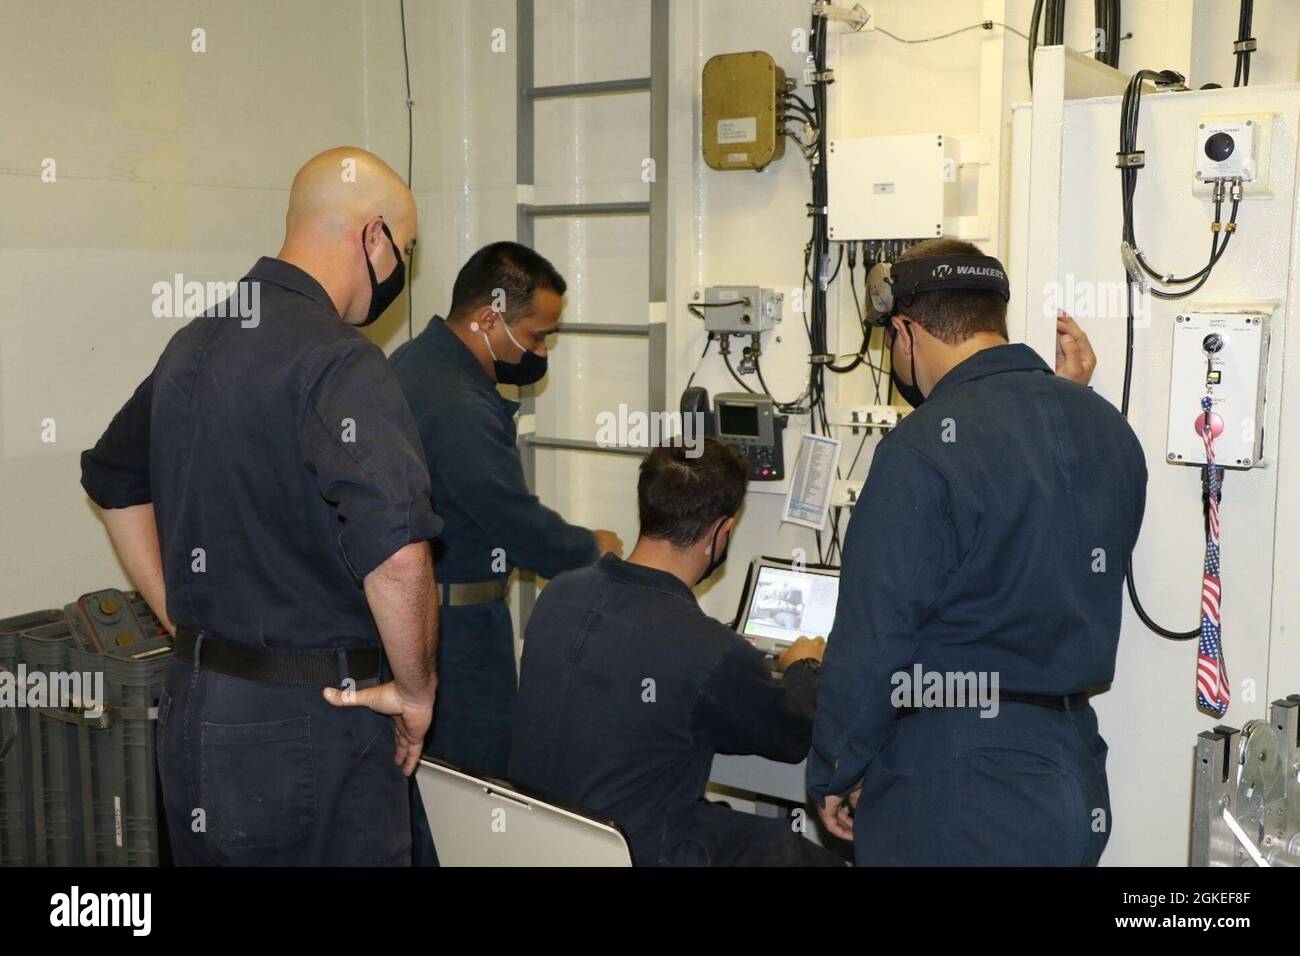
[{"x": 783, "y": 601}]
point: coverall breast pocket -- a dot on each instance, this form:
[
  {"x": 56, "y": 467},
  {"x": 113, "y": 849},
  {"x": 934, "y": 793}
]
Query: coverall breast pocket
[{"x": 258, "y": 783}]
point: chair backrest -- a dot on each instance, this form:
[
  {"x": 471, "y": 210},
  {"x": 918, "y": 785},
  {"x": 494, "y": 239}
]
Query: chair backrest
[{"x": 477, "y": 821}]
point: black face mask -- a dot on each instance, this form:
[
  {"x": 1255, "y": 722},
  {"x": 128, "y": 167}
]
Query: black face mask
[
  {"x": 383, "y": 293},
  {"x": 530, "y": 368},
  {"x": 717, "y": 560},
  {"x": 909, "y": 393}
]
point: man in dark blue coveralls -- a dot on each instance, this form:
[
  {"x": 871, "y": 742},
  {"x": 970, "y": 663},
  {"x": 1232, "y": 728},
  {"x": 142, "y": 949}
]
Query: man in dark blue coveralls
[
  {"x": 986, "y": 563},
  {"x": 629, "y": 689},
  {"x": 506, "y": 301},
  {"x": 265, "y": 491}
]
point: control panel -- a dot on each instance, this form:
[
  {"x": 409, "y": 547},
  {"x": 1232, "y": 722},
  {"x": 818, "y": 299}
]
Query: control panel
[
  {"x": 1234, "y": 147},
  {"x": 108, "y": 623},
  {"x": 749, "y": 423},
  {"x": 1223, "y": 355}
]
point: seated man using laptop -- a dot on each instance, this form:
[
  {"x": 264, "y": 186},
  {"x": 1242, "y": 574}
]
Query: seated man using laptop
[{"x": 627, "y": 688}]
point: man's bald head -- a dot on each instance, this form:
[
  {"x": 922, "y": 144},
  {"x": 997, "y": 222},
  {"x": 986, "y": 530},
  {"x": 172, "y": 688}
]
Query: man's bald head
[
  {"x": 340, "y": 203},
  {"x": 341, "y": 189}
]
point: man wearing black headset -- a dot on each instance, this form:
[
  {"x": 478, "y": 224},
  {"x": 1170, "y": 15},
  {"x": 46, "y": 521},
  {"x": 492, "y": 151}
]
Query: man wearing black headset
[{"x": 982, "y": 588}]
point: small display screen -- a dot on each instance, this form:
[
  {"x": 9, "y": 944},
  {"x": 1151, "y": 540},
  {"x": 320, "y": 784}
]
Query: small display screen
[
  {"x": 787, "y": 604},
  {"x": 740, "y": 420}
]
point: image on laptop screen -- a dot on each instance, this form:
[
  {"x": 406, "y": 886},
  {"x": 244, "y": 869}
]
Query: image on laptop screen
[{"x": 787, "y": 603}]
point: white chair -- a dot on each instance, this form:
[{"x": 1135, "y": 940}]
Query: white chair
[{"x": 478, "y": 821}]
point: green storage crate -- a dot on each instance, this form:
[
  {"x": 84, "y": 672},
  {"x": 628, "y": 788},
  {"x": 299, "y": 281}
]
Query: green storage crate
[
  {"x": 54, "y": 755},
  {"x": 115, "y": 642},
  {"x": 17, "y": 845}
]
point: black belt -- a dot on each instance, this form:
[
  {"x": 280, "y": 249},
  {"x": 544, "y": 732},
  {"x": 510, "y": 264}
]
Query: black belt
[
  {"x": 1062, "y": 703},
  {"x": 247, "y": 661}
]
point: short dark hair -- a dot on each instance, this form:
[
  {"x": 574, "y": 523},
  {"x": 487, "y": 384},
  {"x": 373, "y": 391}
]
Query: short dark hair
[
  {"x": 953, "y": 315},
  {"x": 517, "y": 271},
  {"x": 679, "y": 497}
]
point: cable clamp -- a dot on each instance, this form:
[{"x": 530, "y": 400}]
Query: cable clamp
[
  {"x": 1245, "y": 46},
  {"x": 1230, "y": 227},
  {"x": 1129, "y": 256},
  {"x": 856, "y": 18},
  {"x": 821, "y": 358},
  {"x": 1216, "y": 226},
  {"x": 1133, "y": 160},
  {"x": 818, "y": 210},
  {"x": 821, "y": 76}
]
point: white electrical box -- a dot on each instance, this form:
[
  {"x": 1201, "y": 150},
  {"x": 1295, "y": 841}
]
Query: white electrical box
[
  {"x": 1235, "y": 146},
  {"x": 892, "y": 187},
  {"x": 1222, "y": 354}
]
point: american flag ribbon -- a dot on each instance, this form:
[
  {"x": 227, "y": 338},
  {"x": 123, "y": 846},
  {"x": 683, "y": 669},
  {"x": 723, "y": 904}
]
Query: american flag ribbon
[{"x": 1212, "y": 688}]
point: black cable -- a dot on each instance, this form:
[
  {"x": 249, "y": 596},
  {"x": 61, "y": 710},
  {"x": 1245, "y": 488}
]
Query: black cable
[
  {"x": 798, "y": 99},
  {"x": 1130, "y": 109},
  {"x": 708, "y": 340},
  {"x": 781, "y": 406},
  {"x": 1116, "y": 35},
  {"x": 410, "y": 164},
  {"x": 1245, "y": 18},
  {"x": 1055, "y": 17},
  {"x": 1034, "y": 23},
  {"x": 805, "y": 112},
  {"x": 1129, "y": 113}
]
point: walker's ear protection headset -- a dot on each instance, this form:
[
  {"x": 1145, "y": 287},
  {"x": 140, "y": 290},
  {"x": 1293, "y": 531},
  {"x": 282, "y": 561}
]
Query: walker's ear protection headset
[{"x": 888, "y": 283}]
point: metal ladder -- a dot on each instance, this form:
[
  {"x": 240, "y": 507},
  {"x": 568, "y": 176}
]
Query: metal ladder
[{"x": 656, "y": 208}]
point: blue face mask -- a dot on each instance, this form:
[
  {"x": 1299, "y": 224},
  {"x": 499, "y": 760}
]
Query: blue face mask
[{"x": 530, "y": 368}]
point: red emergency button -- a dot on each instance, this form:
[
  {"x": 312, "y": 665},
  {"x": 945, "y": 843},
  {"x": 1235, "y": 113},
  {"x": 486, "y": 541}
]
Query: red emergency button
[
  {"x": 765, "y": 471},
  {"x": 1216, "y": 424}
]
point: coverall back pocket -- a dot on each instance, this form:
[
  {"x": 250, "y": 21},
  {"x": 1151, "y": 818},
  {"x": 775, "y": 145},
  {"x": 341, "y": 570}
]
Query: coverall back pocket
[
  {"x": 258, "y": 782},
  {"x": 1017, "y": 803}
]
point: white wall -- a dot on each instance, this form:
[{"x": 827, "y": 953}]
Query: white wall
[
  {"x": 1149, "y": 714},
  {"x": 166, "y": 161}
]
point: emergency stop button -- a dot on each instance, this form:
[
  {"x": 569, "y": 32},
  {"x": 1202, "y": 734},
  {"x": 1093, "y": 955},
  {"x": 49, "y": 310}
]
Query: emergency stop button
[{"x": 1216, "y": 424}]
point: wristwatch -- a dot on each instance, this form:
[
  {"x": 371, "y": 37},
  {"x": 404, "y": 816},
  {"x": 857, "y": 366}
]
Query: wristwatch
[{"x": 811, "y": 663}]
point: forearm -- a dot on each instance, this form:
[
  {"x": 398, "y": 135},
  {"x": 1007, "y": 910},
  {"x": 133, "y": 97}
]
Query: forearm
[
  {"x": 403, "y": 601},
  {"x": 134, "y": 534}
]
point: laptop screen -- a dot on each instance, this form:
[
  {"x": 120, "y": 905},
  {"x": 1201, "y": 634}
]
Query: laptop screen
[{"x": 787, "y": 603}]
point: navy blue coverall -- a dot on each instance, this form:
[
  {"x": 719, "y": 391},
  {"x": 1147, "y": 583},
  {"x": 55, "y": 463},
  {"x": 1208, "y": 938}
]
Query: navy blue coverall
[
  {"x": 628, "y": 689},
  {"x": 991, "y": 539},
  {"x": 283, "y": 467},
  {"x": 492, "y": 523}
]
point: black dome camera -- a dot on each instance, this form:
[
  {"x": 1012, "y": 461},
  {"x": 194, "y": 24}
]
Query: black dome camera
[{"x": 1219, "y": 146}]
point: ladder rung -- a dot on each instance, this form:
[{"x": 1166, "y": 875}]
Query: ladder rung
[
  {"x": 602, "y": 328},
  {"x": 579, "y": 444},
  {"x": 639, "y": 84},
  {"x": 587, "y": 209}
]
